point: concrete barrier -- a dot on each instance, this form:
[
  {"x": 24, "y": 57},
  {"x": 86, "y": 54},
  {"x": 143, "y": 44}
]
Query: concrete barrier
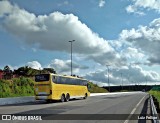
[{"x": 16, "y": 100}]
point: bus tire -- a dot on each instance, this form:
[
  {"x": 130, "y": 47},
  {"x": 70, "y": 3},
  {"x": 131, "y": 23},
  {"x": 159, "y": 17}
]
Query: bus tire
[
  {"x": 86, "y": 95},
  {"x": 67, "y": 98},
  {"x": 62, "y": 98}
]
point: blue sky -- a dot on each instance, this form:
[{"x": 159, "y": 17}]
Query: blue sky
[{"x": 124, "y": 34}]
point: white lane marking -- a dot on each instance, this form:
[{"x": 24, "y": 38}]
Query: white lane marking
[{"x": 134, "y": 109}]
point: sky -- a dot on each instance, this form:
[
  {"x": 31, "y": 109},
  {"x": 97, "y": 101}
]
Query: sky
[{"x": 124, "y": 34}]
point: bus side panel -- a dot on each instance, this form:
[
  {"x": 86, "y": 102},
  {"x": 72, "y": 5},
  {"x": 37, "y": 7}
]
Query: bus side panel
[
  {"x": 55, "y": 92},
  {"x": 72, "y": 90},
  {"x": 59, "y": 89}
]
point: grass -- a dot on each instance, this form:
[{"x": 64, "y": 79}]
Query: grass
[
  {"x": 96, "y": 89},
  {"x": 16, "y": 87},
  {"x": 156, "y": 94},
  {"x": 155, "y": 91}
]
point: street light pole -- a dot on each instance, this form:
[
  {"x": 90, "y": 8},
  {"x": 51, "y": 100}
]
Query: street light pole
[
  {"x": 108, "y": 77},
  {"x": 122, "y": 81},
  {"x": 146, "y": 83},
  {"x": 71, "y": 54}
]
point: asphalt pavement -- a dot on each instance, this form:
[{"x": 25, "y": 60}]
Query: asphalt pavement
[{"x": 112, "y": 108}]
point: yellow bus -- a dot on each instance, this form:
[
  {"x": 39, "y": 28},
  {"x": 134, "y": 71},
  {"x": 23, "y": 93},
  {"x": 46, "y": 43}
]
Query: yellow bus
[{"x": 57, "y": 87}]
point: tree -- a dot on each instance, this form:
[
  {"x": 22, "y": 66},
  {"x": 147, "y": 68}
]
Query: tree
[
  {"x": 49, "y": 70},
  {"x": 8, "y": 74},
  {"x": 30, "y": 72},
  {"x": 6, "y": 68}
]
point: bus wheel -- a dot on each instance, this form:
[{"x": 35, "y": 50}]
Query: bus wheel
[
  {"x": 62, "y": 98},
  {"x": 67, "y": 98},
  {"x": 86, "y": 95}
]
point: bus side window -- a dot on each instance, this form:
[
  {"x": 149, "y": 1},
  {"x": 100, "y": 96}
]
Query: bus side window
[
  {"x": 63, "y": 80},
  {"x": 79, "y": 82},
  {"x": 58, "y": 80},
  {"x": 70, "y": 81},
  {"x": 84, "y": 82},
  {"x": 76, "y": 81},
  {"x": 54, "y": 79}
]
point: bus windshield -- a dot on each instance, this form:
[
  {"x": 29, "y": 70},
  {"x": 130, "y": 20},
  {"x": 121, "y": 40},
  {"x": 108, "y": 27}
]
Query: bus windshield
[{"x": 42, "y": 77}]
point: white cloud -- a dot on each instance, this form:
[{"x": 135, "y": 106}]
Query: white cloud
[
  {"x": 52, "y": 32},
  {"x": 64, "y": 66},
  {"x": 145, "y": 38},
  {"x": 132, "y": 74},
  {"x": 34, "y": 49},
  {"x": 101, "y": 3},
  {"x": 133, "y": 9},
  {"x": 133, "y": 53},
  {"x": 65, "y": 3},
  {"x": 5, "y": 7},
  {"x": 130, "y": 9},
  {"x": 139, "y": 5},
  {"x": 34, "y": 65}
]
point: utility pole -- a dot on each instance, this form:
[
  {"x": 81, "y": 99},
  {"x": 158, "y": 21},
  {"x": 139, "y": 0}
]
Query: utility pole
[
  {"x": 122, "y": 81},
  {"x": 71, "y": 55},
  {"x": 129, "y": 81},
  {"x": 146, "y": 83},
  {"x": 108, "y": 78}
]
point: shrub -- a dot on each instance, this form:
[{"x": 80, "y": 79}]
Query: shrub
[
  {"x": 16, "y": 87},
  {"x": 96, "y": 89}
]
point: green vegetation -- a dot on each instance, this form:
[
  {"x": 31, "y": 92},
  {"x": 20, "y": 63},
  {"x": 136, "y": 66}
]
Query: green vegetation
[
  {"x": 30, "y": 72},
  {"x": 155, "y": 91},
  {"x": 19, "y": 82},
  {"x": 93, "y": 88},
  {"x": 16, "y": 87}
]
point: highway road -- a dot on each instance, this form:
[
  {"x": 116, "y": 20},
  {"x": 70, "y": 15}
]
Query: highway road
[{"x": 113, "y": 108}]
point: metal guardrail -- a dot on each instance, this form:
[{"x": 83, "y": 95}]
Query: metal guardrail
[{"x": 154, "y": 111}]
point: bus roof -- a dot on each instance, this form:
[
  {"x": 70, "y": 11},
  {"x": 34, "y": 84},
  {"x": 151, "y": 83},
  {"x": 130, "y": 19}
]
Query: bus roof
[{"x": 75, "y": 77}]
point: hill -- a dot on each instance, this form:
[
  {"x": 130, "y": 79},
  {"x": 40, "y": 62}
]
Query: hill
[{"x": 96, "y": 89}]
